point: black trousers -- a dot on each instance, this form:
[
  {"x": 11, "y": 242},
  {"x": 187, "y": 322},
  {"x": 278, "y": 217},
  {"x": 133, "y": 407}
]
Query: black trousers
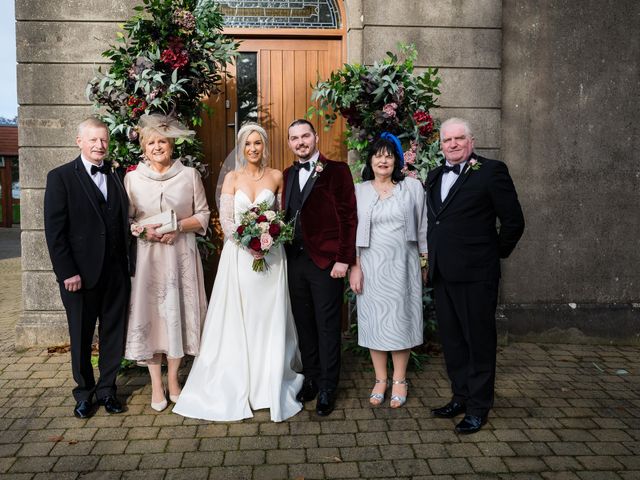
[
  {"x": 107, "y": 303},
  {"x": 316, "y": 302},
  {"x": 466, "y": 313}
]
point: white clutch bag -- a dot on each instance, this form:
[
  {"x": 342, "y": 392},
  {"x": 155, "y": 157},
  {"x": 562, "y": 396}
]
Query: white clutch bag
[{"x": 166, "y": 219}]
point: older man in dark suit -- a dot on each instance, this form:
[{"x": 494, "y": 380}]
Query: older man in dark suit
[
  {"x": 86, "y": 227},
  {"x": 465, "y": 197}
]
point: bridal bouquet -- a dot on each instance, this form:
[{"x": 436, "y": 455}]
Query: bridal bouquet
[{"x": 260, "y": 229}]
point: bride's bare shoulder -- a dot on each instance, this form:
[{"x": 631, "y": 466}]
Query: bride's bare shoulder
[
  {"x": 274, "y": 173},
  {"x": 229, "y": 183}
]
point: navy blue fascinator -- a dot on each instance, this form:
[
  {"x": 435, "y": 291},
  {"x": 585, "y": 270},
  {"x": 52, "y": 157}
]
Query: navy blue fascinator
[{"x": 393, "y": 139}]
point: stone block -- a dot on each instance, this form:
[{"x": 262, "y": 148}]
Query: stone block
[
  {"x": 469, "y": 88},
  {"x": 36, "y": 162},
  {"x": 436, "y": 13},
  {"x": 438, "y": 47},
  {"x": 354, "y": 46},
  {"x": 35, "y": 255},
  {"x": 41, "y": 329},
  {"x": 84, "y": 10},
  {"x": 585, "y": 324},
  {"x": 353, "y": 14},
  {"x": 50, "y": 126},
  {"x": 63, "y": 42},
  {"x": 57, "y": 84},
  {"x": 484, "y": 122},
  {"x": 32, "y": 209},
  {"x": 40, "y": 291}
]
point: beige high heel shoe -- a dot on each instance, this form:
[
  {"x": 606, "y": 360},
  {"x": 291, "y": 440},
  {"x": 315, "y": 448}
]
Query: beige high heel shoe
[
  {"x": 399, "y": 399},
  {"x": 159, "y": 406},
  {"x": 376, "y": 399}
]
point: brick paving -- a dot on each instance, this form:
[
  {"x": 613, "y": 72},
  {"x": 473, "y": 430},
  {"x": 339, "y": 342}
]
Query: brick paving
[{"x": 563, "y": 412}]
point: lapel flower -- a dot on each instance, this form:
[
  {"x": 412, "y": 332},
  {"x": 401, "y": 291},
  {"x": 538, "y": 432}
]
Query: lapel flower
[
  {"x": 474, "y": 164},
  {"x": 318, "y": 169}
]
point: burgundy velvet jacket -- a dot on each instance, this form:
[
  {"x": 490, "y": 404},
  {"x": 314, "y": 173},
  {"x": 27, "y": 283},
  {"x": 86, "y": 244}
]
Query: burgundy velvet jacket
[{"x": 328, "y": 214}]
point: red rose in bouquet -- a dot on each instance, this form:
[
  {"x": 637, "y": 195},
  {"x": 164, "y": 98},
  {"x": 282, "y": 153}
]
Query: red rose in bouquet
[
  {"x": 274, "y": 230},
  {"x": 254, "y": 244}
]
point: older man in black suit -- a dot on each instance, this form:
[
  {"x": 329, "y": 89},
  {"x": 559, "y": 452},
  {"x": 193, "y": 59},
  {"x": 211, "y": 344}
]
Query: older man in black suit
[
  {"x": 465, "y": 198},
  {"x": 86, "y": 227}
]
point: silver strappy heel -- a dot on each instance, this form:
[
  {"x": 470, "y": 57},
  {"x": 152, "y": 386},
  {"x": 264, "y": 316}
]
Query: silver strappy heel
[
  {"x": 376, "y": 399},
  {"x": 399, "y": 398}
]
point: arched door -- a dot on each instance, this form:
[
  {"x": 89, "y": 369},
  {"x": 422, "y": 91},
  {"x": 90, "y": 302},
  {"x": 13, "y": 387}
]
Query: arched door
[
  {"x": 273, "y": 78},
  {"x": 271, "y": 83}
]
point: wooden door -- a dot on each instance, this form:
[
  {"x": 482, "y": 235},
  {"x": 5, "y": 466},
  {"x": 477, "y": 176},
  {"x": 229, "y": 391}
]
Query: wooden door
[
  {"x": 285, "y": 71},
  {"x": 272, "y": 83}
]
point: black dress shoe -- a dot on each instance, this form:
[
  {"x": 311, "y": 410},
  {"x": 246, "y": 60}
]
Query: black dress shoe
[
  {"x": 326, "y": 402},
  {"x": 450, "y": 410},
  {"x": 308, "y": 391},
  {"x": 83, "y": 409},
  {"x": 471, "y": 424},
  {"x": 111, "y": 404}
]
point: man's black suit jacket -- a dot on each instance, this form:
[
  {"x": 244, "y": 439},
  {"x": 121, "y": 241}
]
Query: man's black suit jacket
[
  {"x": 74, "y": 227},
  {"x": 463, "y": 241}
]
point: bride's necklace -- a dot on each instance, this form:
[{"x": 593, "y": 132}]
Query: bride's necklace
[{"x": 261, "y": 170}]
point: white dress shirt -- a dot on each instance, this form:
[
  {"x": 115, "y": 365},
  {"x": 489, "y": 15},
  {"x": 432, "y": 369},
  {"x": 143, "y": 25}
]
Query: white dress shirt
[
  {"x": 99, "y": 178},
  {"x": 448, "y": 179},
  {"x": 303, "y": 174}
]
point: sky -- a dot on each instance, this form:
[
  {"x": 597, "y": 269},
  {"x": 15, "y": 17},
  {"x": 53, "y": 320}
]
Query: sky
[{"x": 8, "y": 86}]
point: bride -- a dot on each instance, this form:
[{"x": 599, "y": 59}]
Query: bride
[{"x": 249, "y": 347}]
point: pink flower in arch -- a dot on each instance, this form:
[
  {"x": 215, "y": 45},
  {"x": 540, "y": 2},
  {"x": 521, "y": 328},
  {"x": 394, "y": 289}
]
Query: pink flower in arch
[{"x": 390, "y": 109}]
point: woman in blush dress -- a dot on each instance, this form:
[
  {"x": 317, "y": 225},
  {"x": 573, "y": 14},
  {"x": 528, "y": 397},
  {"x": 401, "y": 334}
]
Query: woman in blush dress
[
  {"x": 249, "y": 345},
  {"x": 168, "y": 301},
  {"x": 391, "y": 237}
]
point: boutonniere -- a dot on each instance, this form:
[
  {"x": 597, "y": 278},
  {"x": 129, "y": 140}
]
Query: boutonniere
[
  {"x": 317, "y": 170},
  {"x": 473, "y": 164}
]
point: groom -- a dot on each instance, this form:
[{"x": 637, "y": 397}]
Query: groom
[{"x": 319, "y": 196}]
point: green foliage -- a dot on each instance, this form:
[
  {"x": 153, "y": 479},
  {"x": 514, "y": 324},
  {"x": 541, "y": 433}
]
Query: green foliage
[
  {"x": 386, "y": 96},
  {"x": 124, "y": 363},
  {"x": 166, "y": 58}
]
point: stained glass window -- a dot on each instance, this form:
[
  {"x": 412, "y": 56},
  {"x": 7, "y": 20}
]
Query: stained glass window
[{"x": 280, "y": 14}]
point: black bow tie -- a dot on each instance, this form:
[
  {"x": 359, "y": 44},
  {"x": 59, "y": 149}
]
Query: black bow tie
[
  {"x": 305, "y": 165},
  {"x": 104, "y": 168},
  {"x": 455, "y": 169}
]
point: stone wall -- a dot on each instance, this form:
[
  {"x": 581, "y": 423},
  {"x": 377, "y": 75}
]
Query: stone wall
[
  {"x": 571, "y": 90},
  {"x": 462, "y": 38},
  {"x": 550, "y": 88},
  {"x": 59, "y": 46}
]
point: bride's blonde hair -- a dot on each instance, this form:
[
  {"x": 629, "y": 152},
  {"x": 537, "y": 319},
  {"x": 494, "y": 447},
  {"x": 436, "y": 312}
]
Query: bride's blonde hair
[{"x": 244, "y": 132}]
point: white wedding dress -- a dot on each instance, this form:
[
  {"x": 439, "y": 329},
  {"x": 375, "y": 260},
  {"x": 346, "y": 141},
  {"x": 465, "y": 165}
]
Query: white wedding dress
[{"x": 249, "y": 347}]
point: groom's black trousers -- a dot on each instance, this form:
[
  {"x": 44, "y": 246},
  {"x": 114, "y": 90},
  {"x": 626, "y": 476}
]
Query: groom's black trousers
[
  {"x": 466, "y": 313},
  {"x": 316, "y": 302}
]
